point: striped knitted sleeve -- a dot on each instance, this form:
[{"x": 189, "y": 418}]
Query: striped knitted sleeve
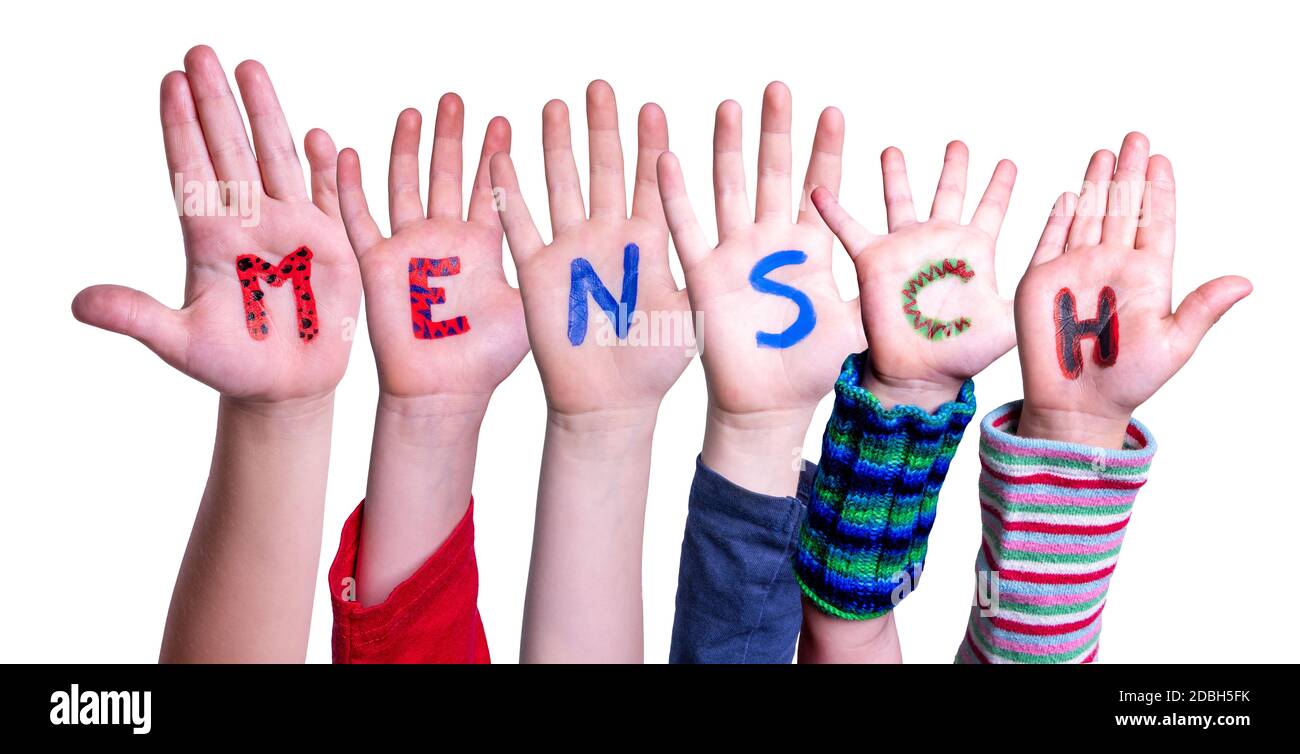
[
  {"x": 863, "y": 544},
  {"x": 1054, "y": 515}
]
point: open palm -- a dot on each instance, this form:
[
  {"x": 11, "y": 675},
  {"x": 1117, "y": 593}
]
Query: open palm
[
  {"x": 467, "y": 345},
  {"x": 1118, "y": 236},
  {"x": 303, "y": 350},
  {"x": 930, "y": 302},
  {"x": 594, "y": 367},
  {"x": 795, "y": 362}
]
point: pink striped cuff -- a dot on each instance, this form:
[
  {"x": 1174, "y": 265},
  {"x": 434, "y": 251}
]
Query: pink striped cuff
[{"x": 1054, "y": 515}]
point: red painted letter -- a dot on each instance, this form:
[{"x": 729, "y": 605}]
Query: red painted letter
[
  {"x": 295, "y": 267},
  {"x": 424, "y": 297}
]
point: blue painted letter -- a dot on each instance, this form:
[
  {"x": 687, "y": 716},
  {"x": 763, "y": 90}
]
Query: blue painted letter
[
  {"x": 807, "y": 318},
  {"x": 583, "y": 281}
]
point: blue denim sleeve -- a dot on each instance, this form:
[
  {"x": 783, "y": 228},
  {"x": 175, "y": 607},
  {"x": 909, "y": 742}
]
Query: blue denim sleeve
[{"x": 737, "y": 600}]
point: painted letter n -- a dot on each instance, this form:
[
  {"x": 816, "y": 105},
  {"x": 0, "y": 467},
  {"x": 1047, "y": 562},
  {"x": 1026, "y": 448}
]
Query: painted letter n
[{"x": 584, "y": 282}]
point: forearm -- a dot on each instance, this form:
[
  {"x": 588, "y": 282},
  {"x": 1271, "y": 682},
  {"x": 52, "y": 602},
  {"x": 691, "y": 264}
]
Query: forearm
[
  {"x": 862, "y": 548},
  {"x": 247, "y": 582},
  {"x": 584, "y": 583},
  {"x": 421, "y": 477},
  {"x": 828, "y": 639},
  {"x": 1054, "y": 515},
  {"x": 737, "y": 599},
  {"x": 831, "y": 640}
]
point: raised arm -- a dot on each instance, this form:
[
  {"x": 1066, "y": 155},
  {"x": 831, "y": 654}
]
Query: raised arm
[
  {"x": 446, "y": 328},
  {"x": 774, "y": 330},
  {"x": 598, "y": 301},
  {"x": 934, "y": 318},
  {"x": 271, "y": 297},
  {"x": 1098, "y": 336}
]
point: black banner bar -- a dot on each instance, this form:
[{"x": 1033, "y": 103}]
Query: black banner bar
[{"x": 1041, "y": 706}]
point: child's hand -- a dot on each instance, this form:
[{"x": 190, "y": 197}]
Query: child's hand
[
  {"x": 796, "y": 365},
  {"x": 216, "y": 338},
  {"x": 930, "y": 302},
  {"x": 584, "y": 370},
  {"x": 465, "y": 346},
  {"x": 1093, "y": 310}
]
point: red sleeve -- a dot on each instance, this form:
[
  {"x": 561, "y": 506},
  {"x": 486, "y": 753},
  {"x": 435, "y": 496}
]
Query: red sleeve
[{"x": 431, "y": 617}]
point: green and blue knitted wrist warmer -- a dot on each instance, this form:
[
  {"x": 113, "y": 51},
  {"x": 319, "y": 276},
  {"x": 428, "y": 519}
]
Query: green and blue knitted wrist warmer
[{"x": 874, "y": 497}]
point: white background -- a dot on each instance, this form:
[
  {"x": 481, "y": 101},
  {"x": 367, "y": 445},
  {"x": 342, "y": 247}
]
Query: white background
[{"x": 106, "y": 449}]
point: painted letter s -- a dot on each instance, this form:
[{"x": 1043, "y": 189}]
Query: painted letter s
[{"x": 807, "y": 317}]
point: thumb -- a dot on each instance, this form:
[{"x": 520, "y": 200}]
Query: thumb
[
  {"x": 131, "y": 312},
  {"x": 359, "y": 224},
  {"x": 1205, "y": 305},
  {"x": 853, "y": 236},
  {"x": 521, "y": 232},
  {"x": 688, "y": 238}
]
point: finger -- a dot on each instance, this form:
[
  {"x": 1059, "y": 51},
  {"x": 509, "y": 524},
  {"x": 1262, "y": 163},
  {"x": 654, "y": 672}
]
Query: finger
[
  {"x": 187, "y": 153},
  {"x": 730, "y": 199},
  {"x": 898, "y": 194},
  {"x": 1086, "y": 230},
  {"x": 139, "y": 315},
  {"x": 688, "y": 237},
  {"x": 774, "y": 156},
  {"x": 1158, "y": 208},
  {"x": 1124, "y": 203},
  {"x": 322, "y": 156},
  {"x": 521, "y": 232},
  {"x": 993, "y": 205},
  {"x": 223, "y": 126},
  {"x": 495, "y": 139},
  {"x": 360, "y": 225},
  {"x": 951, "y": 193},
  {"x": 562, "y": 185},
  {"x": 277, "y": 157},
  {"x": 825, "y": 164},
  {"x": 404, "y": 203},
  {"x": 446, "y": 165},
  {"x": 854, "y": 237},
  {"x": 1052, "y": 242},
  {"x": 652, "y": 141},
  {"x": 605, "y": 152},
  {"x": 1204, "y": 306}
]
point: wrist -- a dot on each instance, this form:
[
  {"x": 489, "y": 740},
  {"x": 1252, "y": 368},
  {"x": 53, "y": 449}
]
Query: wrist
[
  {"x": 925, "y": 393},
  {"x": 611, "y": 435},
  {"x": 290, "y": 414},
  {"x": 431, "y": 421},
  {"x": 759, "y": 451},
  {"x": 1072, "y": 426},
  {"x": 603, "y": 421}
]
